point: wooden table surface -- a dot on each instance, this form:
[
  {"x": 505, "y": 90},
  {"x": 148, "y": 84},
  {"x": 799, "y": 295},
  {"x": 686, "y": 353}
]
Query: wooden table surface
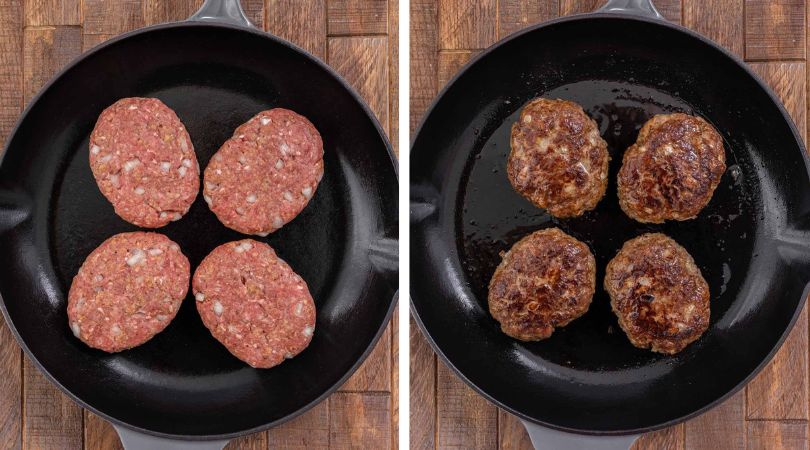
[
  {"x": 772, "y": 411},
  {"x": 357, "y": 38}
]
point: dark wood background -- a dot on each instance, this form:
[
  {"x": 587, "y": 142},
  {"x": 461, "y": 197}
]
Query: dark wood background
[
  {"x": 357, "y": 38},
  {"x": 772, "y": 412}
]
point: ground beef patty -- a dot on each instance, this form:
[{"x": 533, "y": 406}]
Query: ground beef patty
[
  {"x": 558, "y": 160},
  {"x": 546, "y": 280},
  {"x": 670, "y": 173},
  {"x": 263, "y": 176},
  {"x": 254, "y": 303},
  {"x": 127, "y": 291},
  {"x": 144, "y": 162},
  {"x": 658, "y": 293}
]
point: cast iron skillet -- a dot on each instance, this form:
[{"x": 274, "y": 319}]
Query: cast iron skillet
[
  {"x": 622, "y": 64},
  {"x": 215, "y": 71}
]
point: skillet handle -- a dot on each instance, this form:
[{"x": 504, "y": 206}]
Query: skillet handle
[
  {"x": 638, "y": 7},
  {"x": 228, "y": 11},
  {"x": 134, "y": 440},
  {"x": 547, "y": 439}
]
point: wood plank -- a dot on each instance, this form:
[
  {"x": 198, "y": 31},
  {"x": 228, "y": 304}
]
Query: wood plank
[
  {"x": 53, "y": 12},
  {"x": 312, "y": 38},
  {"x": 393, "y": 75},
  {"x": 360, "y": 421},
  {"x": 763, "y": 435},
  {"x": 160, "y": 11},
  {"x": 424, "y": 58},
  {"x": 112, "y": 16},
  {"x": 568, "y": 7},
  {"x": 722, "y": 428},
  {"x": 788, "y": 80},
  {"x": 512, "y": 434},
  {"x": 423, "y": 392},
  {"x": 466, "y": 420},
  {"x": 466, "y": 25},
  {"x": 363, "y": 62},
  {"x": 719, "y": 20},
  {"x": 669, "y": 438},
  {"x": 255, "y": 441},
  {"x": 46, "y": 51},
  {"x": 450, "y": 62},
  {"x": 375, "y": 372},
  {"x": 99, "y": 434},
  {"x": 254, "y": 10},
  {"x": 91, "y": 40},
  {"x": 309, "y": 431},
  {"x": 11, "y": 390},
  {"x": 775, "y": 29},
  {"x": 395, "y": 380},
  {"x": 514, "y": 15},
  {"x": 348, "y": 17},
  {"x": 50, "y": 419},
  {"x": 670, "y": 9},
  {"x": 11, "y": 102}
]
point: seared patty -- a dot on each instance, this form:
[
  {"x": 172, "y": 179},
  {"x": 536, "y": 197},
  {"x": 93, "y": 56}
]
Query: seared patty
[
  {"x": 672, "y": 170},
  {"x": 546, "y": 280},
  {"x": 658, "y": 294},
  {"x": 558, "y": 159}
]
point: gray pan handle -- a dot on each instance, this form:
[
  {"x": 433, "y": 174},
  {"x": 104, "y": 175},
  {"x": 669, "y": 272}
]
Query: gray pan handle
[
  {"x": 228, "y": 11},
  {"x": 547, "y": 439},
  {"x": 134, "y": 440},
  {"x": 638, "y": 7}
]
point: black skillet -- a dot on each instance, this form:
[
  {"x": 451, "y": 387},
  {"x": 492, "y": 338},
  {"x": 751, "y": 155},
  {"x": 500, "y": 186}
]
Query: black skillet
[
  {"x": 215, "y": 71},
  {"x": 587, "y": 385}
]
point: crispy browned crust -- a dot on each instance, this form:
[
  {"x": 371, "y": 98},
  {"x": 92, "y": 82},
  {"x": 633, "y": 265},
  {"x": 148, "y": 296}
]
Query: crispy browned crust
[
  {"x": 546, "y": 280},
  {"x": 672, "y": 170},
  {"x": 658, "y": 294},
  {"x": 558, "y": 159}
]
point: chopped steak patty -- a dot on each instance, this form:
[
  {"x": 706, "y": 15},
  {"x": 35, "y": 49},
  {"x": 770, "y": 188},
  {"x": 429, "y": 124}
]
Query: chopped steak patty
[
  {"x": 546, "y": 280},
  {"x": 143, "y": 161},
  {"x": 672, "y": 170},
  {"x": 658, "y": 294},
  {"x": 263, "y": 176},
  {"x": 254, "y": 303},
  {"x": 558, "y": 159},
  {"x": 127, "y": 291}
]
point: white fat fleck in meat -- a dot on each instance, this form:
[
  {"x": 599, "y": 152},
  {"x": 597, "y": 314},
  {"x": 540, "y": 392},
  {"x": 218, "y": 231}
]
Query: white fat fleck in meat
[
  {"x": 288, "y": 355},
  {"x": 74, "y": 327},
  {"x": 288, "y": 196},
  {"x": 299, "y": 308},
  {"x": 308, "y": 331},
  {"x": 139, "y": 190},
  {"x": 187, "y": 162},
  {"x": 243, "y": 247},
  {"x": 155, "y": 251},
  {"x": 218, "y": 309},
  {"x": 177, "y": 216},
  {"x": 279, "y": 164},
  {"x": 131, "y": 164},
  {"x": 133, "y": 106},
  {"x": 285, "y": 149},
  {"x": 210, "y": 186},
  {"x": 307, "y": 191},
  {"x": 240, "y": 210},
  {"x": 183, "y": 143},
  {"x": 165, "y": 166},
  {"x": 163, "y": 215},
  {"x": 644, "y": 281},
  {"x": 105, "y": 158},
  {"x": 265, "y": 120},
  {"x": 242, "y": 160},
  {"x": 174, "y": 247},
  {"x": 95, "y": 149},
  {"x": 277, "y": 222},
  {"x": 199, "y": 296},
  {"x": 251, "y": 198},
  {"x": 527, "y": 119},
  {"x": 182, "y": 171},
  {"x": 207, "y": 199},
  {"x": 98, "y": 278},
  {"x": 219, "y": 172},
  {"x": 217, "y": 157},
  {"x": 137, "y": 256},
  {"x": 115, "y": 329},
  {"x": 161, "y": 317},
  {"x": 114, "y": 180},
  {"x": 263, "y": 234}
]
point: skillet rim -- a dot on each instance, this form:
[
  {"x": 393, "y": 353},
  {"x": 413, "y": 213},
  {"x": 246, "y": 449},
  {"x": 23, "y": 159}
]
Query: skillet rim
[
  {"x": 618, "y": 16},
  {"x": 275, "y": 40}
]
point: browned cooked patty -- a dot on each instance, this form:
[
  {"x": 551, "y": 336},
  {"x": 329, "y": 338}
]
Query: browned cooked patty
[
  {"x": 658, "y": 294},
  {"x": 558, "y": 160},
  {"x": 670, "y": 173},
  {"x": 546, "y": 280}
]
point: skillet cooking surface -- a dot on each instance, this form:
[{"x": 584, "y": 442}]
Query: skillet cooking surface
[
  {"x": 183, "y": 382},
  {"x": 588, "y": 377}
]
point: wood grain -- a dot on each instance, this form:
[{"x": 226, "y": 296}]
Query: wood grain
[
  {"x": 360, "y": 421},
  {"x": 255, "y": 441},
  {"x": 50, "y": 419},
  {"x": 467, "y": 25},
  {"x": 775, "y": 29},
  {"x": 423, "y": 392},
  {"x": 91, "y": 40},
  {"x": 512, "y": 434},
  {"x": 776, "y": 435},
  {"x": 309, "y": 431},
  {"x": 393, "y": 79},
  {"x": 450, "y": 61},
  {"x": 46, "y": 51},
  {"x": 160, "y": 11},
  {"x": 579, "y": 6},
  {"x": 99, "y": 434},
  {"x": 671, "y": 438},
  {"x": 375, "y": 373},
  {"x": 424, "y": 58},
  {"x": 312, "y": 37},
  {"x": 53, "y": 12},
  {"x": 514, "y": 15},
  {"x": 672, "y": 10},
  {"x": 395, "y": 381},
  {"x": 363, "y": 62},
  {"x": 720, "y": 21},
  {"x": 111, "y": 16},
  {"x": 722, "y": 428},
  {"x": 467, "y": 419},
  {"x": 357, "y": 17}
]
